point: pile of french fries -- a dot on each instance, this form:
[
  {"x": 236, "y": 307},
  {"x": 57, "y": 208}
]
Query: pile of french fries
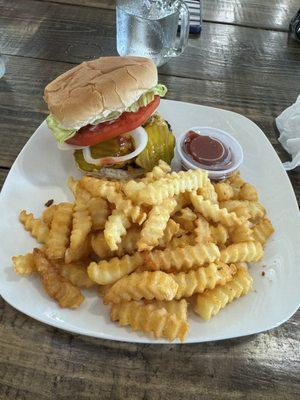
[{"x": 151, "y": 246}]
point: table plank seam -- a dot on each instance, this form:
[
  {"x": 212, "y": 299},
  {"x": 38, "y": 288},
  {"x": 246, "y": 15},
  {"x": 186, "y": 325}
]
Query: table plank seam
[
  {"x": 38, "y": 58},
  {"x": 241, "y": 25},
  {"x": 4, "y": 168},
  {"x": 99, "y": 7},
  {"x": 165, "y": 74}
]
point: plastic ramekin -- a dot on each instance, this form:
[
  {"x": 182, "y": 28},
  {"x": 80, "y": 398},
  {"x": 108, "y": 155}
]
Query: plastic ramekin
[{"x": 226, "y": 138}]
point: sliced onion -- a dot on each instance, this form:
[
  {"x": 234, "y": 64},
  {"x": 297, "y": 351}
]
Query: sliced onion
[
  {"x": 140, "y": 137},
  {"x": 65, "y": 146}
]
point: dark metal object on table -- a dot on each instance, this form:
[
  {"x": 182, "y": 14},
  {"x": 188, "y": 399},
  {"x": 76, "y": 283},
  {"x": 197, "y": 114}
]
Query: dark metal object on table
[
  {"x": 195, "y": 9},
  {"x": 295, "y": 26}
]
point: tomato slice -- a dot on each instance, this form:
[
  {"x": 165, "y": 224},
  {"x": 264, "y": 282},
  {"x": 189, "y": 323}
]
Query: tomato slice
[{"x": 128, "y": 121}]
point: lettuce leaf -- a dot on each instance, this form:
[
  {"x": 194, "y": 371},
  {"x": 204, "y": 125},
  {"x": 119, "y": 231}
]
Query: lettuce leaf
[
  {"x": 160, "y": 146},
  {"x": 109, "y": 117},
  {"x": 146, "y": 98},
  {"x": 60, "y": 134}
]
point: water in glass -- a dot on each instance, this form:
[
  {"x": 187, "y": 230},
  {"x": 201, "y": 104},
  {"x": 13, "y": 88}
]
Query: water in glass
[
  {"x": 2, "y": 66},
  {"x": 147, "y": 28}
]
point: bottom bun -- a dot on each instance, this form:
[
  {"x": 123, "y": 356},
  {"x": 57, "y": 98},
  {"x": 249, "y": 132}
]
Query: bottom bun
[{"x": 117, "y": 174}]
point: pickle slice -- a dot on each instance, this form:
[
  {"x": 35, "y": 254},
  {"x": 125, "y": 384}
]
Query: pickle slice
[{"x": 160, "y": 146}]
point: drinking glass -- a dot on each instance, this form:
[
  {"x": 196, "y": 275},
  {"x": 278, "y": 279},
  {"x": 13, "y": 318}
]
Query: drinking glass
[
  {"x": 149, "y": 28},
  {"x": 295, "y": 26},
  {"x": 2, "y": 66}
]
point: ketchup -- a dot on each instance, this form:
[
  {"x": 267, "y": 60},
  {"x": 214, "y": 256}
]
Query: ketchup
[{"x": 207, "y": 152}]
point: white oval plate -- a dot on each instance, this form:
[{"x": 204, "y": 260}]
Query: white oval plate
[{"x": 40, "y": 173}]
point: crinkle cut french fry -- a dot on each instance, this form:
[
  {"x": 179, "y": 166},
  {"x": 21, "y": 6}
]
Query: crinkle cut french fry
[
  {"x": 82, "y": 225},
  {"x": 82, "y": 252},
  {"x": 175, "y": 183},
  {"x": 149, "y": 319},
  {"x": 203, "y": 278},
  {"x": 81, "y": 195},
  {"x": 109, "y": 192},
  {"x": 208, "y": 192},
  {"x": 240, "y": 252},
  {"x": 59, "y": 234},
  {"x": 224, "y": 191},
  {"x": 213, "y": 212},
  {"x": 24, "y": 265},
  {"x": 170, "y": 231},
  {"x": 182, "y": 241},
  {"x": 138, "y": 285},
  {"x": 103, "y": 289},
  {"x": 115, "y": 227},
  {"x": 240, "y": 208},
  {"x": 235, "y": 180},
  {"x": 182, "y": 258},
  {"x": 128, "y": 244},
  {"x": 159, "y": 171},
  {"x": 101, "y": 188},
  {"x": 48, "y": 214},
  {"x": 202, "y": 230},
  {"x": 100, "y": 246},
  {"x": 186, "y": 218},
  {"x": 192, "y": 246},
  {"x": 263, "y": 230},
  {"x": 154, "y": 226},
  {"x": 65, "y": 293},
  {"x": 76, "y": 274},
  {"x": 72, "y": 184},
  {"x": 182, "y": 200},
  {"x": 242, "y": 233},
  {"x": 248, "y": 192},
  {"x": 211, "y": 302},
  {"x": 256, "y": 209},
  {"x": 37, "y": 228},
  {"x": 177, "y": 307},
  {"x": 219, "y": 234},
  {"x": 245, "y": 208},
  {"x": 99, "y": 212},
  {"x": 107, "y": 272},
  {"x": 161, "y": 167},
  {"x": 241, "y": 265}
]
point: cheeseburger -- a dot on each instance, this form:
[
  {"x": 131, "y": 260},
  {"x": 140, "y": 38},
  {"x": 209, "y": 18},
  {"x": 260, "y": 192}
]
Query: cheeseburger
[{"x": 104, "y": 111}]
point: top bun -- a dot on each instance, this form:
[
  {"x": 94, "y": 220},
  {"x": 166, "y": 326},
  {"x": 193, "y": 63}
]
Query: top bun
[{"x": 93, "y": 88}]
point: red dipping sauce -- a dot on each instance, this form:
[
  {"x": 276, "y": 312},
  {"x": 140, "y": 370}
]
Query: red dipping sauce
[{"x": 207, "y": 152}]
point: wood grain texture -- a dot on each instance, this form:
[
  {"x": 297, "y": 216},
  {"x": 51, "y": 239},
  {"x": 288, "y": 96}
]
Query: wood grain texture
[
  {"x": 222, "y": 53},
  {"x": 271, "y": 14},
  {"x": 3, "y": 175},
  {"x": 105, "y": 4},
  {"x": 40, "y": 362}
]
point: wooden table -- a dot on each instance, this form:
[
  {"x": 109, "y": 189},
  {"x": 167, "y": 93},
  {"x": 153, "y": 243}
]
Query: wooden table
[{"x": 243, "y": 61}]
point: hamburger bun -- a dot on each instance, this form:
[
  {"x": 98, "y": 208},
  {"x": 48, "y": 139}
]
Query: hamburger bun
[{"x": 93, "y": 88}]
